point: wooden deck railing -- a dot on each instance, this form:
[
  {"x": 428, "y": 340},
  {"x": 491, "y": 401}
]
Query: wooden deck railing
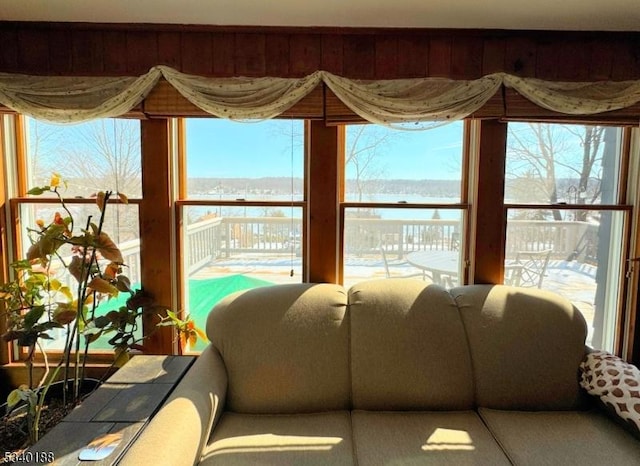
[
  {"x": 365, "y": 235},
  {"x": 569, "y": 240},
  {"x": 224, "y": 237}
]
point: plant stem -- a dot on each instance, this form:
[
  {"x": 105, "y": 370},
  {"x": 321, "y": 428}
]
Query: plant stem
[
  {"x": 80, "y": 369},
  {"x": 64, "y": 206},
  {"x": 67, "y": 356},
  {"x": 29, "y": 364},
  {"x": 46, "y": 365},
  {"x": 34, "y": 428}
]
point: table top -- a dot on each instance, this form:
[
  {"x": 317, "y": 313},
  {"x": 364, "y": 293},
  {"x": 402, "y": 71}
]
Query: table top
[
  {"x": 448, "y": 263},
  {"x": 439, "y": 261},
  {"x": 120, "y": 409}
]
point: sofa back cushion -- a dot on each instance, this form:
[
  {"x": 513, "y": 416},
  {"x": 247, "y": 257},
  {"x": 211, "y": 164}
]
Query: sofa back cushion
[
  {"x": 285, "y": 348},
  {"x": 408, "y": 348},
  {"x": 526, "y": 346}
]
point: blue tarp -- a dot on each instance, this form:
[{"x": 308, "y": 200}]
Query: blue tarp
[{"x": 203, "y": 295}]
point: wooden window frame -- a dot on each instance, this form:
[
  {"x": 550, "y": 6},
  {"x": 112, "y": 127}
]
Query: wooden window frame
[
  {"x": 491, "y": 218},
  {"x": 183, "y": 201},
  {"x": 463, "y": 206},
  {"x": 12, "y": 232},
  {"x": 324, "y": 212}
]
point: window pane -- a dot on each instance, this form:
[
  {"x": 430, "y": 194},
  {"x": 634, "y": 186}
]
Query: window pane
[
  {"x": 386, "y": 165},
  {"x": 227, "y": 249},
  {"x": 413, "y": 243},
  {"x": 229, "y": 160},
  {"x": 94, "y": 156},
  {"x": 578, "y": 256},
  {"x": 120, "y": 223},
  {"x": 126, "y": 237},
  {"x": 552, "y": 163}
]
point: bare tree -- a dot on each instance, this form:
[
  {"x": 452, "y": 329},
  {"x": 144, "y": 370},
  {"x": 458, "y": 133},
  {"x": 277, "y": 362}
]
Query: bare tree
[
  {"x": 43, "y": 145},
  {"x": 363, "y": 154},
  {"x": 537, "y": 152},
  {"x": 105, "y": 154},
  {"x": 592, "y": 143},
  {"x": 98, "y": 155}
]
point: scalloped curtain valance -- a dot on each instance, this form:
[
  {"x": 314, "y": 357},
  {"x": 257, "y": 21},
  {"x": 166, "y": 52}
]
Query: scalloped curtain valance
[{"x": 393, "y": 102}]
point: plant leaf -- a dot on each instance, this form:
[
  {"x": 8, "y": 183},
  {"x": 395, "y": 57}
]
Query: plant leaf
[
  {"x": 11, "y": 335},
  {"x": 55, "y": 284},
  {"x": 111, "y": 271},
  {"x": 23, "y": 264},
  {"x": 55, "y": 180},
  {"x": 34, "y": 314},
  {"x": 41, "y": 249},
  {"x": 100, "y": 196},
  {"x": 123, "y": 198},
  {"x": 123, "y": 283},
  {"x": 14, "y": 398},
  {"x": 103, "y": 286},
  {"x": 93, "y": 336},
  {"x": 91, "y": 332},
  {"x": 201, "y": 334},
  {"x": 64, "y": 314},
  {"x": 102, "y": 321},
  {"x": 140, "y": 299},
  {"x": 66, "y": 291},
  {"x": 76, "y": 268},
  {"x": 27, "y": 339},
  {"x": 108, "y": 248},
  {"x": 37, "y": 191}
]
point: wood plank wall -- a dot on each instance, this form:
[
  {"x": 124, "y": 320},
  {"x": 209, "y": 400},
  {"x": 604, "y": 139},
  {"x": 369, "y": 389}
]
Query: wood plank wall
[{"x": 108, "y": 49}]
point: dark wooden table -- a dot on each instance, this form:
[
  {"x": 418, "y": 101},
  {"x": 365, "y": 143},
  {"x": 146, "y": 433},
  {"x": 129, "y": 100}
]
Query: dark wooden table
[{"x": 123, "y": 405}]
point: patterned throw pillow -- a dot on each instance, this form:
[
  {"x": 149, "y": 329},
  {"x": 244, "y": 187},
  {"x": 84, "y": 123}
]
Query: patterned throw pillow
[{"x": 616, "y": 382}]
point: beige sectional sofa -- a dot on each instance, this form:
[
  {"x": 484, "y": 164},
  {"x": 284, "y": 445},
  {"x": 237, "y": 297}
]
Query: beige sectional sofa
[{"x": 389, "y": 372}]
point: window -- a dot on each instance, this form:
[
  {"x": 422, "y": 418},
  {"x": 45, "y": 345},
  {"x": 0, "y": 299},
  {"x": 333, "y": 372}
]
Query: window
[
  {"x": 566, "y": 221},
  {"x": 242, "y": 208},
  {"x": 96, "y": 156},
  {"x": 404, "y": 207},
  {"x": 245, "y": 210}
]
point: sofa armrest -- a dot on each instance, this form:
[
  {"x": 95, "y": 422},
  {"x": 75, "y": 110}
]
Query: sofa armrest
[
  {"x": 616, "y": 383},
  {"x": 179, "y": 431}
]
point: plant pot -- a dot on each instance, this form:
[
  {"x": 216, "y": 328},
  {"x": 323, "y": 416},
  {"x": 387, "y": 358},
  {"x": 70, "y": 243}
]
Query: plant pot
[
  {"x": 11, "y": 435},
  {"x": 56, "y": 391}
]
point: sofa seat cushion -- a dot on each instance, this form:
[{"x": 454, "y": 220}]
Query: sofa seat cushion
[
  {"x": 423, "y": 438},
  {"x": 257, "y": 439},
  {"x": 561, "y": 437}
]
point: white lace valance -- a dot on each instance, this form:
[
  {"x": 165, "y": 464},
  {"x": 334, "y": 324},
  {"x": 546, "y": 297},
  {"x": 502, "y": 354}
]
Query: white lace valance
[
  {"x": 391, "y": 102},
  {"x": 74, "y": 99},
  {"x": 388, "y": 102},
  {"x": 581, "y": 98},
  {"x": 241, "y": 98}
]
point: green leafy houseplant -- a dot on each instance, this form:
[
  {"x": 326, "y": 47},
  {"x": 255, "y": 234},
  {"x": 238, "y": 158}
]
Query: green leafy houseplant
[{"x": 38, "y": 300}]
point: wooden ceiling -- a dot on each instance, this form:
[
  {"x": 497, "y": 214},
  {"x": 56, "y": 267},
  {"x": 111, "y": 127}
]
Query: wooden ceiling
[{"x": 569, "y": 15}]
